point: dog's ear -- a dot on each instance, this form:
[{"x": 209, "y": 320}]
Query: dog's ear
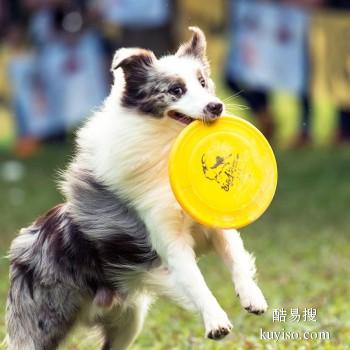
[
  {"x": 195, "y": 47},
  {"x": 132, "y": 58}
]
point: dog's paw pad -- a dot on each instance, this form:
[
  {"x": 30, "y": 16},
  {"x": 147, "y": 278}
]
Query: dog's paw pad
[
  {"x": 252, "y": 299},
  {"x": 219, "y": 333},
  {"x": 251, "y": 310},
  {"x": 218, "y": 328}
]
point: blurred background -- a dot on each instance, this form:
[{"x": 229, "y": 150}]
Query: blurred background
[{"x": 283, "y": 65}]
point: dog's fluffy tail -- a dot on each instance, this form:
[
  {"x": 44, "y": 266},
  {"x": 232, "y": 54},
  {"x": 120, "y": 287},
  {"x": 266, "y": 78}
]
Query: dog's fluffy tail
[
  {"x": 39, "y": 311},
  {"x": 20, "y": 296}
]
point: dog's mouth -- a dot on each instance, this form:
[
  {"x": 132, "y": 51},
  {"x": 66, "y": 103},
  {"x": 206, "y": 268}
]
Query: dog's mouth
[{"x": 180, "y": 117}]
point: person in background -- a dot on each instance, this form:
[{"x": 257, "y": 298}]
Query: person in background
[
  {"x": 68, "y": 63},
  {"x": 150, "y": 24},
  {"x": 343, "y": 134},
  {"x": 304, "y": 135},
  {"x": 17, "y": 67},
  {"x": 243, "y": 32},
  {"x": 15, "y": 63},
  {"x": 50, "y": 54},
  {"x": 267, "y": 53}
]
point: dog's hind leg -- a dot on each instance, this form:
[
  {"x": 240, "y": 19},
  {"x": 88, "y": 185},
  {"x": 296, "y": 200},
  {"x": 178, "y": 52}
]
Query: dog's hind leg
[
  {"x": 122, "y": 325},
  {"x": 229, "y": 246},
  {"x": 38, "y": 317}
]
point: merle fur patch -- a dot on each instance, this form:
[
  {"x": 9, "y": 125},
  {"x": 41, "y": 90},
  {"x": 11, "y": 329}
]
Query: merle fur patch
[
  {"x": 109, "y": 222},
  {"x": 79, "y": 249},
  {"x": 146, "y": 89}
]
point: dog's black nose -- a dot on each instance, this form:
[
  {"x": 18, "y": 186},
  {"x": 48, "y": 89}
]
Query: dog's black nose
[{"x": 215, "y": 108}]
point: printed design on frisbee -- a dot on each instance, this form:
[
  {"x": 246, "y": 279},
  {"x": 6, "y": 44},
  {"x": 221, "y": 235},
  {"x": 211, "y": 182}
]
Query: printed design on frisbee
[{"x": 223, "y": 169}]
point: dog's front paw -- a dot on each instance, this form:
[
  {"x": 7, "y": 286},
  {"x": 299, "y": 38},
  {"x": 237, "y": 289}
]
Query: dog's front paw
[
  {"x": 252, "y": 299},
  {"x": 217, "y": 326}
]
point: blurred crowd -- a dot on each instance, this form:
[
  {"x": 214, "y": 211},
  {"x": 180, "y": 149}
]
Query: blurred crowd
[
  {"x": 291, "y": 46},
  {"x": 55, "y": 57}
]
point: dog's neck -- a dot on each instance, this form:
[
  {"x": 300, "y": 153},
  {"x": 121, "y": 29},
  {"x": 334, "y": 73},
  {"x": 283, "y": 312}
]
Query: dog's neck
[{"x": 128, "y": 151}]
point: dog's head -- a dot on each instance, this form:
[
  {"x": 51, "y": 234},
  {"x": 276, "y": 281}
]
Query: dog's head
[{"x": 176, "y": 86}]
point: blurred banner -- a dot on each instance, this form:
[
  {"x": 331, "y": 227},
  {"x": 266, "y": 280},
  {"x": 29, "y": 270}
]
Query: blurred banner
[
  {"x": 55, "y": 88},
  {"x": 74, "y": 79},
  {"x": 330, "y": 56},
  {"x": 268, "y": 46},
  {"x": 29, "y": 100}
]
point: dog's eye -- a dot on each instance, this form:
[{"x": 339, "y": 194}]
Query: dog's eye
[
  {"x": 202, "y": 82},
  {"x": 176, "y": 90}
]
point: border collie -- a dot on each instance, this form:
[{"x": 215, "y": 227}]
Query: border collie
[{"x": 121, "y": 238}]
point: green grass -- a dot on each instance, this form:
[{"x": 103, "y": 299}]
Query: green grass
[{"x": 301, "y": 244}]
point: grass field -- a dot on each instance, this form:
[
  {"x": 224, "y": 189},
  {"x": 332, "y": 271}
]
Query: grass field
[{"x": 301, "y": 244}]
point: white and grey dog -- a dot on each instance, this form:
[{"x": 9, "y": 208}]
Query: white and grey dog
[{"x": 121, "y": 238}]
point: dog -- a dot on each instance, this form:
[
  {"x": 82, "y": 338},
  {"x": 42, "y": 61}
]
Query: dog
[{"x": 120, "y": 238}]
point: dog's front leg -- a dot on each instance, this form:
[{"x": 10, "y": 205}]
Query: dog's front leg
[
  {"x": 229, "y": 246},
  {"x": 170, "y": 237}
]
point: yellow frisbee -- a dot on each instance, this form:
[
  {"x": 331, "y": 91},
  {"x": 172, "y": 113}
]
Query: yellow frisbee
[{"x": 223, "y": 174}]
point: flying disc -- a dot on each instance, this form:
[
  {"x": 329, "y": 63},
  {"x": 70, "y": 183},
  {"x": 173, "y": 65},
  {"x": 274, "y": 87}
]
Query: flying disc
[{"x": 224, "y": 174}]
